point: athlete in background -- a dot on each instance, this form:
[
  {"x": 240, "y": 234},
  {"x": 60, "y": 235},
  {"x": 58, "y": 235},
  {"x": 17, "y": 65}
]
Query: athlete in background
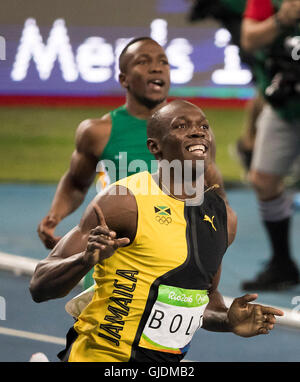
[
  {"x": 145, "y": 75},
  {"x": 156, "y": 283}
]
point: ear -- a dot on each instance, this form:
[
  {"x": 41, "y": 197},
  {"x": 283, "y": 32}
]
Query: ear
[
  {"x": 123, "y": 80},
  {"x": 153, "y": 147}
]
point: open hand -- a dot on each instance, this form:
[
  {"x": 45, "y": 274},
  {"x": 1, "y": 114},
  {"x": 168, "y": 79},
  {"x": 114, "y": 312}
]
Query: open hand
[
  {"x": 249, "y": 320},
  {"x": 102, "y": 242}
]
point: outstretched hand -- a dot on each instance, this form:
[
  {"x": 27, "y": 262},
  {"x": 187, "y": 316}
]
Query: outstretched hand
[
  {"x": 102, "y": 242},
  {"x": 247, "y": 320}
]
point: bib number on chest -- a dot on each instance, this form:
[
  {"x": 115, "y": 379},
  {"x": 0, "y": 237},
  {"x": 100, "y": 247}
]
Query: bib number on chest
[{"x": 174, "y": 318}]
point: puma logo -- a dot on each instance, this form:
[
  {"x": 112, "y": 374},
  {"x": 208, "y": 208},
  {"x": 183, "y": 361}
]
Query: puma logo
[{"x": 210, "y": 220}]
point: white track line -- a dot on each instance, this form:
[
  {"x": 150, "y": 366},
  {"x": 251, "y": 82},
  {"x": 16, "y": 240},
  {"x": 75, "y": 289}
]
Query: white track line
[
  {"x": 32, "y": 336},
  {"x": 17, "y": 264},
  {"x": 23, "y": 265}
]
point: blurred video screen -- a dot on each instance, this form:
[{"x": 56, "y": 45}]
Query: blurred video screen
[{"x": 52, "y": 53}]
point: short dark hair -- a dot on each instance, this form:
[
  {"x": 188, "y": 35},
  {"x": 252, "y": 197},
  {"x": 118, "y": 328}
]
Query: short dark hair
[
  {"x": 122, "y": 64},
  {"x": 156, "y": 123}
]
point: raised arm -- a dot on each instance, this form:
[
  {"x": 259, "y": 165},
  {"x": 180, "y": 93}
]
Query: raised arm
[
  {"x": 97, "y": 236},
  {"x": 91, "y": 138}
]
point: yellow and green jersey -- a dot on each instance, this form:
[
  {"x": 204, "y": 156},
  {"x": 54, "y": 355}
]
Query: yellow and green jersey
[{"x": 150, "y": 296}]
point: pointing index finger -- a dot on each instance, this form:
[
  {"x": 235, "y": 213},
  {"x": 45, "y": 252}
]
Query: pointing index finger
[
  {"x": 99, "y": 214},
  {"x": 271, "y": 310}
]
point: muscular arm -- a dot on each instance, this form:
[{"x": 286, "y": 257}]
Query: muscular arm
[
  {"x": 257, "y": 34},
  {"x": 91, "y": 138},
  {"x": 71, "y": 258},
  {"x": 215, "y": 315}
]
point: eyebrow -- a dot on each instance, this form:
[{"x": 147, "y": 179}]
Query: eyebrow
[
  {"x": 149, "y": 56},
  {"x": 186, "y": 118}
]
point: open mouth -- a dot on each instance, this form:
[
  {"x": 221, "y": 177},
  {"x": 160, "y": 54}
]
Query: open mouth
[
  {"x": 197, "y": 149},
  {"x": 156, "y": 84}
]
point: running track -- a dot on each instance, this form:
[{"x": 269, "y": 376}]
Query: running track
[{"x": 29, "y": 327}]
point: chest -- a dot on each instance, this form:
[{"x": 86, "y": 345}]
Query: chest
[{"x": 189, "y": 242}]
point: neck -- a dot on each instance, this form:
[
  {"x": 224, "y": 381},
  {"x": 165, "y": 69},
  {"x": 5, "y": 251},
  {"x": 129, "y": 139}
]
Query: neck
[
  {"x": 139, "y": 109},
  {"x": 184, "y": 187}
]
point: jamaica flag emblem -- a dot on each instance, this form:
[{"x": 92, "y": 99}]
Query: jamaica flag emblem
[{"x": 163, "y": 215}]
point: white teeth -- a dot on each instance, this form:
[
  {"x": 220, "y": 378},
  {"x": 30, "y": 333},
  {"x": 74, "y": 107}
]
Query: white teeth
[
  {"x": 157, "y": 82},
  {"x": 197, "y": 147}
]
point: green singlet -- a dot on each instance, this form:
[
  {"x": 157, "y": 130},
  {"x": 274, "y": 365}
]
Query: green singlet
[{"x": 125, "y": 154}]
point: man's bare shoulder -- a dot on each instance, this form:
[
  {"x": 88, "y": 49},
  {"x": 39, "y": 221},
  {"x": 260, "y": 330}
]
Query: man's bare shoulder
[
  {"x": 92, "y": 135},
  {"x": 119, "y": 209}
]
